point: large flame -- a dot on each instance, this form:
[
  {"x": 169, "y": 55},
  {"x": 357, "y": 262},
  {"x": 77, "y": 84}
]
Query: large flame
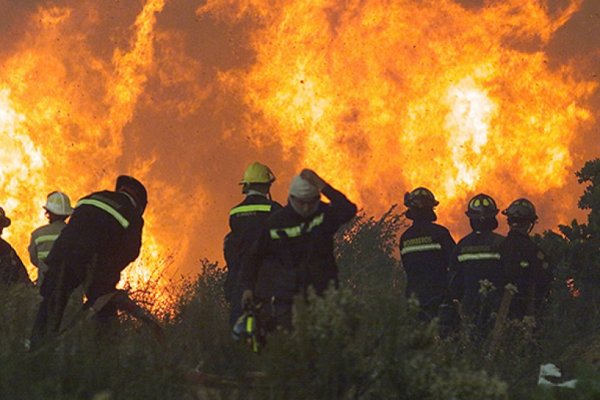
[
  {"x": 385, "y": 95},
  {"x": 62, "y": 117},
  {"x": 377, "y": 96}
]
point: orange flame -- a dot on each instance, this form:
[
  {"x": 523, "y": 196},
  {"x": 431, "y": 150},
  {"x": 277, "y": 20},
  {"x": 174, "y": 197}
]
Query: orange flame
[
  {"x": 56, "y": 135},
  {"x": 386, "y": 95},
  {"x": 377, "y": 96}
]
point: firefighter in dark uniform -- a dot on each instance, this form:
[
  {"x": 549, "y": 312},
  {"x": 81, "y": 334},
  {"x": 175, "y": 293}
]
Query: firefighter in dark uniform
[
  {"x": 476, "y": 275},
  {"x": 425, "y": 250},
  {"x": 103, "y": 236},
  {"x": 295, "y": 251},
  {"x": 12, "y": 270},
  {"x": 246, "y": 221},
  {"x": 524, "y": 262}
]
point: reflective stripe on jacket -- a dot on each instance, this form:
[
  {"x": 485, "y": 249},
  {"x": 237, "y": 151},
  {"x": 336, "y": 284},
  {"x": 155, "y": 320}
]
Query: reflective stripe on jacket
[
  {"x": 294, "y": 252},
  {"x": 103, "y": 236},
  {"x": 106, "y": 205},
  {"x": 477, "y": 259},
  {"x": 425, "y": 250},
  {"x": 42, "y": 241}
]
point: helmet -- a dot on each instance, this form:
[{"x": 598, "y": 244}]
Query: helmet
[
  {"x": 481, "y": 206},
  {"x": 58, "y": 203},
  {"x": 4, "y": 220},
  {"x": 420, "y": 198},
  {"x": 135, "y": 189},
  {"x": 249, "y": 329},
  {"x": 257, "y": 173},
  {"x": 521, "y": 209}
]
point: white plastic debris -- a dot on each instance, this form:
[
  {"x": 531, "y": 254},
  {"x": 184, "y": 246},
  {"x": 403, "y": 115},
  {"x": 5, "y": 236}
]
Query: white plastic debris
[{"x": 552, "y": 371}]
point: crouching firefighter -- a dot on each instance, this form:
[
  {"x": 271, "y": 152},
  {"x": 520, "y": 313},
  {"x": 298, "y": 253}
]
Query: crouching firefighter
[
  {"x": 425, "y": 250},
  {"x": 103, "y": 236},
  {"x": 246, "y": 221},
  {"x": 295, "y": 250}
]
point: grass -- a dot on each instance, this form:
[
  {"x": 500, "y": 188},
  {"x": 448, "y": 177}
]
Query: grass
[{"x": 362, "y": 341}]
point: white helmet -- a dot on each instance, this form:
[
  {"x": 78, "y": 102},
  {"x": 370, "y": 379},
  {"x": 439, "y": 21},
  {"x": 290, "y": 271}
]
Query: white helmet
[{"x": 58, "y": 203}]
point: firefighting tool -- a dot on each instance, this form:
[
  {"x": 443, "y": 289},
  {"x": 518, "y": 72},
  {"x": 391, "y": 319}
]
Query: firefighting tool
[
  {"x": 121, "y": 300},
  {"x": 249, "y": 329},
  {"x": 501, "y": 316}
]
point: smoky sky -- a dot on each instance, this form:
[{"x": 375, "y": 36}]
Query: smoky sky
[{"x": 205, "y": 147}]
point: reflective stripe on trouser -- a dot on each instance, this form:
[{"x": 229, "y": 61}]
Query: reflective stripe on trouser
[
  {"x": 478, "y": 256},
  {"x": 420, "y": 248}
]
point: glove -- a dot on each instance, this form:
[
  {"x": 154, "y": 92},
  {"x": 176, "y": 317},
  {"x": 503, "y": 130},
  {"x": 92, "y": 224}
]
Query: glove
[{"x": 312, "y": 177}]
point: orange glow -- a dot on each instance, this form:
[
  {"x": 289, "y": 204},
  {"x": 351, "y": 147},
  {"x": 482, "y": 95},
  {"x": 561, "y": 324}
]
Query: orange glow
[
  {"x": 410, "y": 93},
  {"x": 56, "y": 135},
  {"x": 572, "y": 287},
  {"x": 377, "y": 96}
]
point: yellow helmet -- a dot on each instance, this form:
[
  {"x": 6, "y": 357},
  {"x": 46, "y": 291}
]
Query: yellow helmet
[{"x": 258, "y": 173}]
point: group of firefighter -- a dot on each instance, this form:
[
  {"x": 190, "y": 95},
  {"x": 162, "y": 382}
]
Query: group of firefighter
[
  {"x": 275, "y": 253},
  {"x": 484, "y": 275}
]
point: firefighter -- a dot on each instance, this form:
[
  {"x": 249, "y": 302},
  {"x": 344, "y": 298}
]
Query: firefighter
[
  {"x": 12, "y": 270},
  {"x": 58, "y": 208},
  {"x": 425, "y": 250},
  {"x": 476, "y": 274},
  {"x": 246, "y": 221},
  {"x": 103, "y": 236},
  {"x": 295, "y": 250},
  {"x": 525, "y": 264}
]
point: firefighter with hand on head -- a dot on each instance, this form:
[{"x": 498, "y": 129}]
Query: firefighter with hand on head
[
  {"x": 525, "y": 264},
  {"x": 246, "y": 222},
  {"x": 296, "y": 249},
  {"x": 103, "y": 236},
  {"x": 58, "y": 208},
  {"x": 476, "y": 273},
  {"x": 12, "y": 270},
  {"x": 425, "y": 250}
]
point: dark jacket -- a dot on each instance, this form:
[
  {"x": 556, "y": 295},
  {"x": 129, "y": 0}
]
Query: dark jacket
[
  {"x": 525, "y": 266},
  {"x": 103, "y": 236},
  {"x": 476, "y": 258},
  {"x": 425, "y": 250},
  {"x": 294, "y": 253},
  {"x": 246, "y": 221},
  {"x": 12, "y": 269}
]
